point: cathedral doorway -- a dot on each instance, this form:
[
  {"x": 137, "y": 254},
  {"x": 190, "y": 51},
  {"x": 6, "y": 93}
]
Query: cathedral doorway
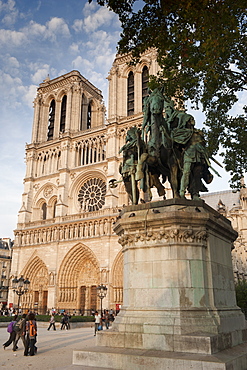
[
  {"x": 88, "y": 304},
  {"x": 77, "y": 281},
  {"x": 36, "y": 298}
]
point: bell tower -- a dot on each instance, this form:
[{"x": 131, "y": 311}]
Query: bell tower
[
  {"x": 63, "y": 109},
  {"x": 64, "y": 241}
]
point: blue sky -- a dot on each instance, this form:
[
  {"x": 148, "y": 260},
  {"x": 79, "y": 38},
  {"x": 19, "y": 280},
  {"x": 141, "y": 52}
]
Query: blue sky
[{"x": 37, "y": 38}]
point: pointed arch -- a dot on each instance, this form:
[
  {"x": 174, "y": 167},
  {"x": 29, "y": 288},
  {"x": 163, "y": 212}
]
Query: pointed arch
[
  {"x": 37, "y": 273},
  {"x": 78, "y": 277},
  {"x": 130, "y": 94},
  {"x": 145, "y": 79},
  {"x": 44, "y": 211},
  {"x": 117, "y": 279},
  {"x": 63, "y": 114},
  {"x": 89, "y": 115},
  {"x": 71, "y": 265},
  {"x": 51, "y": 120}
]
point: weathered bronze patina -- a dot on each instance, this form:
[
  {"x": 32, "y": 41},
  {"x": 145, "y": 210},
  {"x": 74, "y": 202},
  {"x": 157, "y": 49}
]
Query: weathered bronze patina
[{"x": 168, "y": 146}]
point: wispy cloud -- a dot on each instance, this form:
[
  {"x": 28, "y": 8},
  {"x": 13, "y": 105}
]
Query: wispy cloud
[
  {"x": 95, "y": 20},
  {"x": 52, "y": 30},
  {"x": 12, "y": 38},
  {"x": 11, "y": 13},
  {"x": 40, "y": 73}
]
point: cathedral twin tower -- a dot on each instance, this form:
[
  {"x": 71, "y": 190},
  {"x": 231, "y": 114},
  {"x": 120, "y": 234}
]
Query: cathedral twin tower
[{"x": 64, "y": 240}]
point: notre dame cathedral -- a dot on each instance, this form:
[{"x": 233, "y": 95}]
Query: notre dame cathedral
[{"x": 64, "y": 240}]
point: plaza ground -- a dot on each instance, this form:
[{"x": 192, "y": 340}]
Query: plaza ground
[{"x": 55, "y": 349}]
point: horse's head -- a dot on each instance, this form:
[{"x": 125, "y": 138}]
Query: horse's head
[{"x": 156, "y": 102}]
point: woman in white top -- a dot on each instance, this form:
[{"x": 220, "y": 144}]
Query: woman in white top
[{"x": 97, "y": 319}]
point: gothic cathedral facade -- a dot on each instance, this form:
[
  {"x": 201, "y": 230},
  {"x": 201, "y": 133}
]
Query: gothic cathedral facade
[{"x": 64, "y": 240}]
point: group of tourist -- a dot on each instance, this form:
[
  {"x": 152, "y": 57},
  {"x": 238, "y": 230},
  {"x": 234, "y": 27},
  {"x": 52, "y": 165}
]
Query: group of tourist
[
  {"x": 106, "y": 317},
  {"x": 10, "y": 311},
  {"x": 24, "y": 327}
]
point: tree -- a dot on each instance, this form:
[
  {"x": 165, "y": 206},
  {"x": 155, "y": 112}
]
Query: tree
[
  {"x": 202, "y": 48},
  {"x": 241, "y": 295}
]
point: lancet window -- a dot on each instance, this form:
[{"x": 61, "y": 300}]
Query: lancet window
[
  {"x": 131, "y": 96},
  {"x": 89, "y": 116},
  {"x": 43, "y": 211},
  {"x": 51, "y": 120},
  {"x": 54, "y": 209},
  {"x": 48, "y": 162},
  {"x": 90, "y": 151},
  {"x": 145, "y": 78},
  {"x": 82, "y": 111},
  {"x": 63, "y": 113}
]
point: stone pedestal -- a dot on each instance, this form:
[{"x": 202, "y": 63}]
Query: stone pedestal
[{"x": 179, "y": 292}]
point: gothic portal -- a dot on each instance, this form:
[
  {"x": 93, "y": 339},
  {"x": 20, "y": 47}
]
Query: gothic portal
[{"x": 64, "y": 240}]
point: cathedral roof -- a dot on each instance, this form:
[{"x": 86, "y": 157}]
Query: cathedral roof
[{"x": 229, "y": 198}]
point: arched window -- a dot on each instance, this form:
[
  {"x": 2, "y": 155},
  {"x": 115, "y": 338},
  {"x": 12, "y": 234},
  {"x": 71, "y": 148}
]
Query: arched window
[
  {"x": 89, "y": 116},
  {"x": 51, "y": 120},
  {"x": 63, "y": 113},
  {"x": 43, "y": 211},
  {"x": 130, "y": 102},
  {"x": 44, "y": 165},
  {"x": 82, "y": 111},
  {"x": 54, "y": 209},
  {"x": 145, "y": 78}
]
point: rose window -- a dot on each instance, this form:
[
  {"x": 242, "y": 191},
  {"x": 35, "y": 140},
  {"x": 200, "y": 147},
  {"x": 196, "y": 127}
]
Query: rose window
[{"x": 92, "y": 195}]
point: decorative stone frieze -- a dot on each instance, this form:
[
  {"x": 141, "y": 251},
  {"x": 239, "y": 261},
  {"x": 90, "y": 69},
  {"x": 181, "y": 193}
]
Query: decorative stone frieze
[
  {"x": 78, "y": 230},
  {"x": 168, "y": 236}
]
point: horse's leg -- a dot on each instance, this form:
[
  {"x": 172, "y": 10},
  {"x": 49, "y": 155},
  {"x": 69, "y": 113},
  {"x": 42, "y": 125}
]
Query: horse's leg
[
  {"x": 127, "y": 185},
  {"x": 174, "y": 180},
  {"x": 134, "y": 189},
  {"x": 158, "y": 185}
]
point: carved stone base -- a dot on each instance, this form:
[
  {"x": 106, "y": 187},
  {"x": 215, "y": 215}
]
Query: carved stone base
[
  {"x": 179, "y": 291},
  {"x": 178, "y": 279}
]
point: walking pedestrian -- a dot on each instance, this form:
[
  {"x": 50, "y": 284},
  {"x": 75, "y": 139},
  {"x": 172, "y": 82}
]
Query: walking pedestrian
[
  {"x": 52, "y": 322},
  {"x": 20, "y": 330},
  {"x": 12, "y": 333},
  {"x": 65, "y": 321},
  {"x": 31, "y": 331},
  {"x": 107, "y": 317},
  {"x": 97, "y": 319}
]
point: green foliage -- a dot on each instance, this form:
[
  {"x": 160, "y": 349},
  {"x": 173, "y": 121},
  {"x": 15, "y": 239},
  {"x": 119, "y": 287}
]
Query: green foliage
[
  {"x": 5, "y": 318},
  {"x": 46, "y": 318},
  {"x": 82, "y": 319},
  {"x": 201, "y": 49},
  {"x": 241, "y": 294}
]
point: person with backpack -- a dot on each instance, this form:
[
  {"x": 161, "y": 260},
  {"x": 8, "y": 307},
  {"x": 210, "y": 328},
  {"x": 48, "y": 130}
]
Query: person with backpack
[
  {"x": 12, "y": 333},
  {"x": 31, "y": 332},
  {"x": 20, "y": 329},
  {"x": 65, "y": 321}
]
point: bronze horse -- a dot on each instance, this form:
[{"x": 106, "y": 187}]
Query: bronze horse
[{"x": 169, "y": 147}]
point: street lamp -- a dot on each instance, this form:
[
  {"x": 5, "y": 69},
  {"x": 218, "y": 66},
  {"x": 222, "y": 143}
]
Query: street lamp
[
  {"x": 101, "y": 291},
  {"x": 20, "y": 286}
]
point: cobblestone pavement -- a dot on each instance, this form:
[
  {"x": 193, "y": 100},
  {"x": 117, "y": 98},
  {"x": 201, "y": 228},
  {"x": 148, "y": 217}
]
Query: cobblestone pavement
[{"x": 55, "y": 350}]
